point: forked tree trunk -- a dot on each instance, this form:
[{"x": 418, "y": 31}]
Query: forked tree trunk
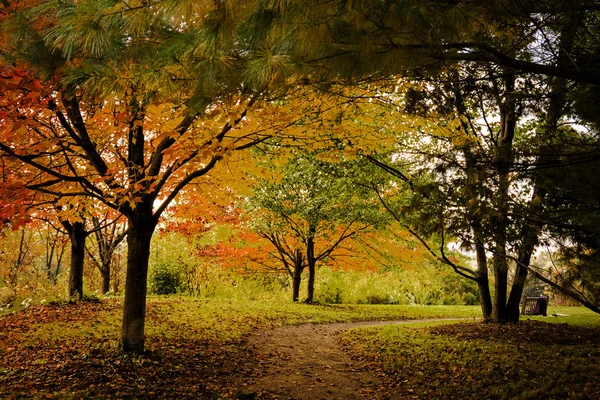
[{"x": 141, "y": 228}]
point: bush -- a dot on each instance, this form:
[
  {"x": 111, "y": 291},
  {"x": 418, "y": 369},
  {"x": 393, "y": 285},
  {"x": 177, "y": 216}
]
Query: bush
[
  {"x": 470, "y": 299},
  {"x": 165, "y": 279},
  {"x": 330, "y": 295}
]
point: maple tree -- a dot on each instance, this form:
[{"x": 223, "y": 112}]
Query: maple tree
[{"x": 127, "y": 104}]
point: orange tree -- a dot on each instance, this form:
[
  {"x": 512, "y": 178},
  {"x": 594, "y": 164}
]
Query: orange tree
[{"x": 127, "y": 103}]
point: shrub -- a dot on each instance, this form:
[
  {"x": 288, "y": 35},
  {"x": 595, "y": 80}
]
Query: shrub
[
  {"x": 165, "y": 279},
  {"x": 330, "y": 295}
]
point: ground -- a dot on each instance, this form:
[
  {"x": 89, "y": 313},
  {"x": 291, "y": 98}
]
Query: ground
[
  {"x": 199, "y": 349},
  {"x": 308, "y": 362}
]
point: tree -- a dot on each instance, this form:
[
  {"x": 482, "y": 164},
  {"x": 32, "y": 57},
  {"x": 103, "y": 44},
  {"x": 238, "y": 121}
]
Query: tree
[
  {"x": 108, "y": 236},
  {"x": 481, "y": 175},
  {"x": 309, "y": 213},
  {"x": 571, "y": 220},
  {"x": 127, "y": 103}
]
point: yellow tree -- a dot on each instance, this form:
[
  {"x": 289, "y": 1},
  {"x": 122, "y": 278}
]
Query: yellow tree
[{"x": 127, "y": 103}]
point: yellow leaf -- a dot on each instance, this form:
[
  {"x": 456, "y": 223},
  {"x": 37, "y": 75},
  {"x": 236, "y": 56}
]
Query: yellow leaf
[{"x": 153, "y": 109}]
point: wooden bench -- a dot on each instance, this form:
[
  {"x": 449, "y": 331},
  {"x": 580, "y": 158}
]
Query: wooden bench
[{"x": 535, "y": 306}]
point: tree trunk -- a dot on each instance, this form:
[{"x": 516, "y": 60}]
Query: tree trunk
[
  {"x": 77, "y": 235},
  {"x": 503, "y": 162},
  {"x": 297, "y": 276},
  {"x": 141, "y": 228},
  {"x": 516, "y": 292},
  {"x": 297, "y": 280},
  {"x": 529, "y": 239},
  {"x": 500, "y": 264},
  {"x": 105, "y": 282},
  {"x": 483, "y": 282},
  {"x": 310, "y": 257},
  {"x": 473, "y": 211}
]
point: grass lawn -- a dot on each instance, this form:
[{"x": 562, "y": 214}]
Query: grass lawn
[
  {"x": 70, "y": 351},
  {"x": 465, "y": 360}
]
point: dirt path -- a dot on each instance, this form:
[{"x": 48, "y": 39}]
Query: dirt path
[{"x": 306, "y": 362}]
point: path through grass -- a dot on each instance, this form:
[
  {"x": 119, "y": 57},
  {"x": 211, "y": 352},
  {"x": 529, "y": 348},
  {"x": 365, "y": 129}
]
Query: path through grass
[{"x": 195, "y": 346}]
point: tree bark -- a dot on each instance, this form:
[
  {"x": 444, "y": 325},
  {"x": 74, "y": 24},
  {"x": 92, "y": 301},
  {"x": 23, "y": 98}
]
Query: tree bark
[
  {"x": 500, "y": 264},
  {"x": 310, "y": 257},
  {"x": 483, "y": 282},
  {"x": 529, "y": 240},
  {"x": 77, "y": 235},
  {"x": 474, "y": 214},
  {"x": 297, "y": 276},
  {"x": 141, "y": 228},
  {"x": 105, "y": 276},
  {"x": 512, "y": 308}
]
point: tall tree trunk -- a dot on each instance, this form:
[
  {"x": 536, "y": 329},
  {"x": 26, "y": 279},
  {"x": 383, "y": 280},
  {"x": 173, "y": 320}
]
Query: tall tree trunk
[
  {"x": 141, "y": 228},
  {"x": 529, "y": 240},
  {"x": 310, "y": 257},
  {"x": 500, "y": 265},
  {"x": 503, "y": 162},
  {"x": 518, "y": 285}
]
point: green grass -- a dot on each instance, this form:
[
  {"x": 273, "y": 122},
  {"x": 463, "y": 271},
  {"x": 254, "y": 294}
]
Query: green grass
[
  {"x": 214, "y": 320},
  {"x": 580, "y": 316},
  {"x": 230, "y": 320},
  {"x": 526, "y": 361}
]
